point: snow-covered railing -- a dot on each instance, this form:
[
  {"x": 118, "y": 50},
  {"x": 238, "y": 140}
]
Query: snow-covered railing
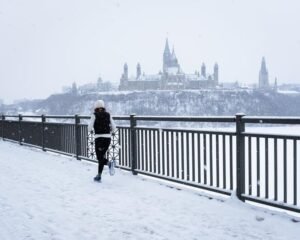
[{"x": 261, "y": 167}]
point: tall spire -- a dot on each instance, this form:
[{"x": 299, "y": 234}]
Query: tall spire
[
  {"x": 263, "y": 80},
  {"x": 275, "y": 85},
  {"x": 173, "y": 53},
  {"x": 138, "y": 71},
  {"x": 263, "y": 68},
  {"x": 203, "y": 70},
  {"x": 166, "y": 57},
  {"x": 216, "y": 73},
  {"x": 167, "y": 49},
  {"x": 125, "y": 71}
]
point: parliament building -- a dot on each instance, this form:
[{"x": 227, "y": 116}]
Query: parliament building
[{"x": 170, "y": 78}]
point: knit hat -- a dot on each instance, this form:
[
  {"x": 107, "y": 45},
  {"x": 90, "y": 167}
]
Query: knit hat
[{"x": 99, "y": 104}]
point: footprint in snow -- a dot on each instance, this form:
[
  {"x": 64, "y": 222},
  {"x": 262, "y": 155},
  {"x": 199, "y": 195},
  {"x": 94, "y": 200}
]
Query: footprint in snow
[{"x": 259, "y": 219}]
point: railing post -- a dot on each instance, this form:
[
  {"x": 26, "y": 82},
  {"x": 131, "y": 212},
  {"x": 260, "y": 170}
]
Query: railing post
[
  {"x": 43, "y": 131},
  {"x": 20, "y": 129},
  {"x": 133, "y": 146},
  {"x": 2, "y": 130},
  {"x": 77, "y": 137},
  {"x": 240, "y": 156}
]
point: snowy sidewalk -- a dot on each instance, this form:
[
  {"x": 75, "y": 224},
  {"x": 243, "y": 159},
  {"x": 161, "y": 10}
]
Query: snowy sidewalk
[{"x": 45, "y": 196}]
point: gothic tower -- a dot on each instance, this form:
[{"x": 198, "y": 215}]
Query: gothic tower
[
  {"x": 138, "y": 71},
  {"x": 174, "y": 59},
  {"x": 203, "y": 70},
  {"x": 166, "y": 57},
  {"x": 263, "y": 75},
  {"x": 125, "y": 74},
  {"x": 124, "y": 78},
  {"x": 216, "y": 73},
  {"x": 275, "y": 85}
]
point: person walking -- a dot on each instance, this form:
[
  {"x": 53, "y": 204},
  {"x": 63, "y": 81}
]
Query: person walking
[{"x": 103, "y": 125}]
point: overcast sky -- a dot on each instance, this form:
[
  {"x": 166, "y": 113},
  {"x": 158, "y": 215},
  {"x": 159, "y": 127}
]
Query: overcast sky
[{"x": 48, "y": 44}]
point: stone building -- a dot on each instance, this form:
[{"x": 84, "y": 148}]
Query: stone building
[{"x": 171, "y": 77}]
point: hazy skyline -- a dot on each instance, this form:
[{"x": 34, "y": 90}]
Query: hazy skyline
[{"x": 48, "y": 44}]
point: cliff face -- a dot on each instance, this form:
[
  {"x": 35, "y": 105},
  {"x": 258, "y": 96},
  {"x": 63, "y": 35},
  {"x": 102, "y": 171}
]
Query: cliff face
[{"x": 198, "y": 103}]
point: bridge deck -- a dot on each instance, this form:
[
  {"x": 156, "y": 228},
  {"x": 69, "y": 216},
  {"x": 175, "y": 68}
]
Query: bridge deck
[{"x": 47, "y": 196}]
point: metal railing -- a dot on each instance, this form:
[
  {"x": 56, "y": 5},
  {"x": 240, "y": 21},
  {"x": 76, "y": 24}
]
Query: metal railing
[
  {"x": 271, "y": 164},
  {"x": 261, "y": 167},
  {"x": 185, "y": 156},
  {"x": 66, "y": 135}
]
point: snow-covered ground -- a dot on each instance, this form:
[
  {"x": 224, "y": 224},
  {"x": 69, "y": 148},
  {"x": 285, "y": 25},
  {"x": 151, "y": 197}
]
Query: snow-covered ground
[{"x": 46, "y": 196}]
